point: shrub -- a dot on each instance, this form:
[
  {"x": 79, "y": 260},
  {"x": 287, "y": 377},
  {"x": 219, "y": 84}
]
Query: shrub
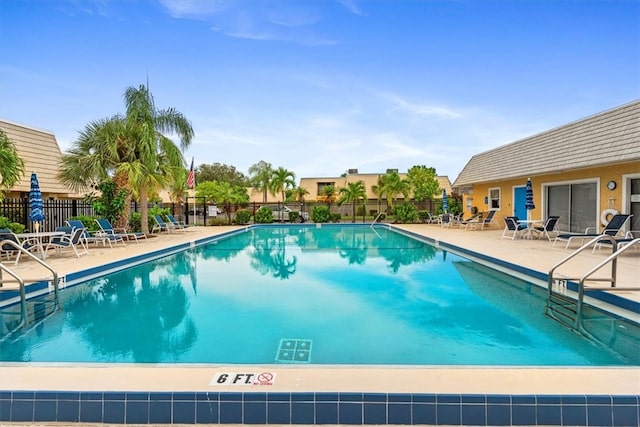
[
  {"x": 335, "y": 217},
  {"x": 264, "y": 215},
  {"x": 405, "y": 213},
  {"x": 15, "y": 227},
  {"x": 218, "y": 221},
  {"x": 243, "y": 216},
  {"x": 320, "y": 214},
  {"x": 294, "y": 216}
]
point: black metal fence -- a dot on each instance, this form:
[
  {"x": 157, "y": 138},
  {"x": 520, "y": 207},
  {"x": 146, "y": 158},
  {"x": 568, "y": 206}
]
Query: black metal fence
[{"x": 204, "y": 212}]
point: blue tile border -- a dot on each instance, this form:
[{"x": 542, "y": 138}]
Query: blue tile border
[{"x": 318, "y": 408}]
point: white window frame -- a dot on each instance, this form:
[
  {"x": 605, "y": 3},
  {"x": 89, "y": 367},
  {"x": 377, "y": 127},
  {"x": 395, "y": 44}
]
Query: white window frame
[{"x": 498, "y": 199}]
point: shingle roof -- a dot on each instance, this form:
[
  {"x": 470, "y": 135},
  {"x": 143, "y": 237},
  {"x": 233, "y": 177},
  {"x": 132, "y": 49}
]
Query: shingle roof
[
  {"x": 41, "y": 154},
  {"x": 609, "y": 137}
]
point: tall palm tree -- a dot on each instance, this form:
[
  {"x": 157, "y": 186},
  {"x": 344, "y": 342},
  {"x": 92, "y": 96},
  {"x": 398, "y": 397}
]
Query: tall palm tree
[
  {"x": 132, "y": 149},
  {"x": 329, "y": 194},
  {"x": 11, "y": 165},
  {"x": 260, "y": 175},
  {"x": 299, "y": 193},
  {"x": 282, "y": 180},
  {"x": 352, "y": 193},
  {"x": 392, "y": 185}
]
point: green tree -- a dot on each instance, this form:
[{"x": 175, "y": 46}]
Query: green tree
[
  {"x": 391, "y": 185},
  {"x": 260, "y": 175},
  {"x": 329, "y": 194},
  {"x": 282, "y": 180},
  {"x": 132, "y": 149},
  {"x": 11, "y": 165},
  {"x": 221, "y": 173},
  {"x": 423, "y": 182},
  {"x": 353, "y": 193},
  {"x": 298, "y": 194}
]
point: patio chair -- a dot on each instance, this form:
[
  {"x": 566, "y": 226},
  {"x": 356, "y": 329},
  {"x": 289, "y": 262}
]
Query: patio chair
[
  {"x": 488, "y": 220},
  {"x": 108, "y": 229},
  {"x": 469, "y": 222},
  {"x": 161, "y": 225},
  {"x": 445, "y": 220},
  {"x": 87, "y": 238},
  {"x": 71, "y": 240},
  {"x": 513, "y": 228},
  {"x": 546, "y": 228},
  {"x": 9, "y": 250},
  {"x": 612, "y": 229},
  {"x": 179, "y": 225}
]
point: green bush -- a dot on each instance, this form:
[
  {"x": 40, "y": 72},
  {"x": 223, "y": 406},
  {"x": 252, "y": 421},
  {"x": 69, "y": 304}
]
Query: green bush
[
  {"x": 405, "y": 213},
  {"x": 294, "y": 216},
  {"x": 320, "y": 214},
  {"x": 335, "y": 217},
  {"x": 15, "y": 227},
  {"x": 264, "y": 215},
  {"x": 217, "y": 221},
  {"x": 243, "y": 216}
]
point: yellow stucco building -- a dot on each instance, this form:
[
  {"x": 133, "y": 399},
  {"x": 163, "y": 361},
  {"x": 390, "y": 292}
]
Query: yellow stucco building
[{"x": 583, "y": 171}]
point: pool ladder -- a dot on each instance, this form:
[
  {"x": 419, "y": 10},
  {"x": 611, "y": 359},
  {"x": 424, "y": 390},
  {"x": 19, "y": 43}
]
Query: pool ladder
[
  {"x": 569, "y": 311},
  {"x": 31, "y": 312}
]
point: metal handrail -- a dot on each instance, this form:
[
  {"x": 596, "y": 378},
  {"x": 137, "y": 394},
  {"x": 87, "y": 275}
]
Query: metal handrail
[
  {"x": 21, "y": 281},
  {"x": 615, "y": 253},
  {"x": 611, "y": 258},
  {"x": 377, "y": 218}
]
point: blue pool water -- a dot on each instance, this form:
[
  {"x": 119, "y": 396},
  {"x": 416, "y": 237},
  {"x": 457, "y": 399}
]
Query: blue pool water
[{"x": 303, "y": 294}]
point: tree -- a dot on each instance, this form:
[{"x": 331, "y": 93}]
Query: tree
[
  {"x": 423, "y": 182},
  {"x": 298, "y": 194},
  {"x": 223, "y": 193},
  {"x": 260, "y": 177},
  {"x": 221, "y": 173},
  {"x": 392, "y": 185},
  {"x": 132, "y": 149},
  {"x": 282, "y": 180},
  {"x": 329, "y": 194},
  {"x": 11, "y": 165},
  {"x": 353, "y": 193}
]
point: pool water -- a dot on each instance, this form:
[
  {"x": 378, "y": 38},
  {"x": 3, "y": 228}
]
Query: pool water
[{"x": 320, "y": 295}]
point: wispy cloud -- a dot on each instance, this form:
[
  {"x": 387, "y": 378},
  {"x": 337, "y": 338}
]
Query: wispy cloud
[{"x": 420, "y": 109}]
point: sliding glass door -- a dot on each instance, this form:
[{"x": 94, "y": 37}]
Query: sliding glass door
[{"x": 575, "y": 204}]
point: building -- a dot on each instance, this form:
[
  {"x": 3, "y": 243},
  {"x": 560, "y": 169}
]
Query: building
[
  {"x": 583, "y": 171},
  {"x": 41, "y": 154},
  {"x": 315, "y": 186}
]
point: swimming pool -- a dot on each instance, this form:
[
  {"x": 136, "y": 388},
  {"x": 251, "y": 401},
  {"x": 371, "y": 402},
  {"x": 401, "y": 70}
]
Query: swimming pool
[{"x": 314, "y": 295}]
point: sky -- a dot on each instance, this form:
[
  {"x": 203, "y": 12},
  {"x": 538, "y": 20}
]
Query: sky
[{"x": 322, "y": 86}]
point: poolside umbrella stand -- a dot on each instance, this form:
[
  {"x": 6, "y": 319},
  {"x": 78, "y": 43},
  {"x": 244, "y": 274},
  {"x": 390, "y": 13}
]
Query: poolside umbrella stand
[
  {"x": 445, "y": 202},
  {"x": 528, "y": 205},
  {"x": 35, "y": 203}
]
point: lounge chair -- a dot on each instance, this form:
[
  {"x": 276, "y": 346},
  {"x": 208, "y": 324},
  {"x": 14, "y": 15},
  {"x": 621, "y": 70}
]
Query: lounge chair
[
  {"x": 70, "y": 240},
  {"x": 446, "y": 220},
  {"x": 469, "y": 222},
  {"x": 179, "y": 225},
  {"x": 87, "y": 238},
  {"x": 546, "y": 228},
  {"x": 160, "y": 225},
  {"x": 8, "y": 249},
  {"x": 612, "y": 229},
  {"x": 513, "y": 228},
  {"x": 108, "y": 229}
]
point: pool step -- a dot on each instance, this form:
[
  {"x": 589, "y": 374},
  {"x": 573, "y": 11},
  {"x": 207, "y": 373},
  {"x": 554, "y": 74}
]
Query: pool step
[{"x": 562, "y": 308}]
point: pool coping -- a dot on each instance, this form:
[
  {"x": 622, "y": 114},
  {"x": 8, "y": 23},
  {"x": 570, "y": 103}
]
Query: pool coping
[{"x": 317, "y": 395}]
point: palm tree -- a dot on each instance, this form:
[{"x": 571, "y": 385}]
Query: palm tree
[
  {"x": 392, "y": 185},
  {"x": 260, "y": 177},
  {"x": 299, "y": 193},
  {"x": 11, "y": 165},
  {"x": 132, "y": 149},
  {"x": 329, "y": 193},
  {"x": 352, "y": 193},
  {"x": 282, "y": 180}
]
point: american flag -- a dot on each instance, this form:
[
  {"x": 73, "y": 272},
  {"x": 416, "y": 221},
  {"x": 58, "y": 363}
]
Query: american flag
[{"x": 191, "y": 179}]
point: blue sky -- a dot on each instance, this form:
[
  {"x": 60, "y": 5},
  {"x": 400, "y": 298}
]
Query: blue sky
[{"x": 322, "y": 86}]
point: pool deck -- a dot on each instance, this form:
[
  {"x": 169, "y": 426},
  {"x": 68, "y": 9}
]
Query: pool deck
[{"x": 538, "y": 255}]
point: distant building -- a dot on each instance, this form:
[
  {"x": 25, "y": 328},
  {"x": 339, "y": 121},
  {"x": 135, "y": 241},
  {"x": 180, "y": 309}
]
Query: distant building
[
  {"x": 315, "y": 186},
  {"x": 41, "y": 154},
  {"x": 583, "y": 171}
]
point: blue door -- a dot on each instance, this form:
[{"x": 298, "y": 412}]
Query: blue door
[{"x": 519, "y": 202}]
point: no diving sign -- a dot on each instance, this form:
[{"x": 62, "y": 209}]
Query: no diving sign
[{"x": 243, "y": 378}]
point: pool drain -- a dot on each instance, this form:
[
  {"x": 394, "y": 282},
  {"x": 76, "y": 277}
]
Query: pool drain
[{"x": 294, "y": 351}]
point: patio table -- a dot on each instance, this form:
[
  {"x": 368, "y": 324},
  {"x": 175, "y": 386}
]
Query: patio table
[{"x": 39, "y": 239}]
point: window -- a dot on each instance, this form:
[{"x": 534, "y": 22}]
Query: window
[
  {"x": 575, "y": 203},
  {"x": 494, "y": 198},
  {"x": 322, "y": 185}
]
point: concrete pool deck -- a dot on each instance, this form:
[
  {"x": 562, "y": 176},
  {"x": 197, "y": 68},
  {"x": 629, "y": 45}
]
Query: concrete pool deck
[{"x": 538, "y": 255}]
